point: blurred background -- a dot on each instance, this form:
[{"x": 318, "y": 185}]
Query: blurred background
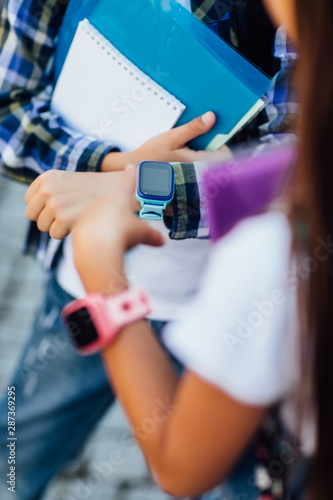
[{"x": 21, "y": 287}]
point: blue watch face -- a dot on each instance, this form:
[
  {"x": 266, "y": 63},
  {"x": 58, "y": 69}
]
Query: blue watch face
[{"x": 156, "y": 179}]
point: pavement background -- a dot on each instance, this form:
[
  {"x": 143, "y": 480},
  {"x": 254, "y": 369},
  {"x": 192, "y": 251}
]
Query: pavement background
[{"x": 21, "y": 287}]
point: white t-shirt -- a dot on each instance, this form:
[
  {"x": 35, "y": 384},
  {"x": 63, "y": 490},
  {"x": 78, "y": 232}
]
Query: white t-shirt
[
  {"x": 171, "y": 273},
  {"x": 241, "y": 332}
]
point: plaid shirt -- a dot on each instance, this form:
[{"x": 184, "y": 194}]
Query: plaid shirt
[{"x": 33, "y": 139}]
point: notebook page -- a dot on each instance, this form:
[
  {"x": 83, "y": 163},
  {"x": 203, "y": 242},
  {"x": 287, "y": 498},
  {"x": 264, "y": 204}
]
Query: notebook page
[{"x": 102, "y": 94}]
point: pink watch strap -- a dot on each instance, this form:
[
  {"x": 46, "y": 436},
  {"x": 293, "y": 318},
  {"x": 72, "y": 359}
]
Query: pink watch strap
[
  {"x": 95, "y": 321},
  {"x": 129, "y": 306}
]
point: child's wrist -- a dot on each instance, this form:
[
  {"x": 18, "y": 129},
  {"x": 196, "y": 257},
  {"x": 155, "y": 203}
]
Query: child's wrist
[
  {"x": 115, "y": 161},
  {"x": 119, "y": 161}
]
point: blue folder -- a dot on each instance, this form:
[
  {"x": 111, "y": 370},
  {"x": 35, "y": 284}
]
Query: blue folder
[{"x": 179, "y": 52}]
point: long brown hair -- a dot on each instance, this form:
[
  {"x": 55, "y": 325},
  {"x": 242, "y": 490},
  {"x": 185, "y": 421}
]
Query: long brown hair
[{"x": 315, "y": 33}]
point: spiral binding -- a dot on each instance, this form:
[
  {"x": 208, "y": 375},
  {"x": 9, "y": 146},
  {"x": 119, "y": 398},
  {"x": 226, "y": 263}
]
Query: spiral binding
[{"x": 127, "y": 65}]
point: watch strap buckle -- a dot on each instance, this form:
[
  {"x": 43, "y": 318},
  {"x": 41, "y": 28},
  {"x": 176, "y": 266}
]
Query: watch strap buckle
[{"x": 152, "y": 211}]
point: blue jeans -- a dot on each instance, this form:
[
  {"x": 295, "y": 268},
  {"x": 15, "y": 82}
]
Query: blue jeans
[{"x": 60, "y": 397}]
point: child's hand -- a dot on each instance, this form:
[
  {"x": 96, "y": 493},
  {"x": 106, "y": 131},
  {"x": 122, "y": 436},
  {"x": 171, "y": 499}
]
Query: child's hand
[
  {"x": 104, "y": 232},
  {"x": 56, "y": 198},
  {"x": 169, "y": 146}
]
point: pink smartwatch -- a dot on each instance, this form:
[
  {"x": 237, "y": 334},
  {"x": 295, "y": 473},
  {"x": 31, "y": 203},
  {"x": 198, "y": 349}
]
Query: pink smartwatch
[{"x": 95, "y": 321}]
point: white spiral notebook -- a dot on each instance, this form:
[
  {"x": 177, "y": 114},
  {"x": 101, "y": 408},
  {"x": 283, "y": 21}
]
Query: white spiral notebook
[{"x": 102, "y": 94}]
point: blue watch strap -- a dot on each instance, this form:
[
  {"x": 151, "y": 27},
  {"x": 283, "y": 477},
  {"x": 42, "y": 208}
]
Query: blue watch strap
[{"x": 152, "y": 211}]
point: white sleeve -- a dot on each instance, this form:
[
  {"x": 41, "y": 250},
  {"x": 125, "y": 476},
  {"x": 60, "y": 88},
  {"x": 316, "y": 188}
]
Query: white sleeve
[{"x": 241, "y": 331}]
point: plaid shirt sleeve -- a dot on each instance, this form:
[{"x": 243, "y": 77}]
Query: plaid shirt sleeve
[
  {"x": 281, "y": 116},
  {"x": 32, "y": 138},
  {"x": 188, "y": 219}
]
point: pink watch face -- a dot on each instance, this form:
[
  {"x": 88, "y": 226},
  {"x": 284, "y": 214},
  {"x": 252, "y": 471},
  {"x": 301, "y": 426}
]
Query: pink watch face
[{"x": 94, "y": 322}]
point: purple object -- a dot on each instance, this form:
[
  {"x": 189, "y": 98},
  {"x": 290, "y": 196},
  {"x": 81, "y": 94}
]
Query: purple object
[{"x": 246, "y": 186}]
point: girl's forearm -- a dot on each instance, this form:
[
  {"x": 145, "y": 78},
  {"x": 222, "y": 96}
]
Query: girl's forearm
[
  {"x": 190, "y": 433},
  {"x": 145, "y": 382},
  {"x": 141, "y": 374}
]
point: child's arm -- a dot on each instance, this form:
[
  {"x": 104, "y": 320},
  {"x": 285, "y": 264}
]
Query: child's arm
[
  {"x": 33, "y": 139},
  {"x": 56, "y": 198},
  {"x": 191, "y": 433},
  {"x": 169, "y": 146}
]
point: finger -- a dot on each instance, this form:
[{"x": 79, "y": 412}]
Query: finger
[
  {"x": 219, "y": 155},
  {"x": 32, "y": 190},
  {"x": 58, "y": 231},
  {"x": 189, "y": 155},
  {"x": 184, "y": 133},
  {"x": 145, "y": 235},
  {"x": 35, "y": 207},
  {"x": 153, "y": 238},
  {"x": 45, "y": 219},
  {"x": 225, "y": 149},
  {"x": 186, "y": 155}
]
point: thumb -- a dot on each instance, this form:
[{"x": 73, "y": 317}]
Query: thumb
[{"x": 200, "y": 125}]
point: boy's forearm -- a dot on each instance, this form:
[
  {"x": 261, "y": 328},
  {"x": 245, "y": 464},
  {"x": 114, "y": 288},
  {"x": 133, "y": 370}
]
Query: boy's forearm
[
  {"x": 146, "y": 381},
  {"x": 114, "y": 161}
]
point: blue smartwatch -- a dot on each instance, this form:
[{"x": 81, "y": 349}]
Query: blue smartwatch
[{"x": 155, "y": 188}]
